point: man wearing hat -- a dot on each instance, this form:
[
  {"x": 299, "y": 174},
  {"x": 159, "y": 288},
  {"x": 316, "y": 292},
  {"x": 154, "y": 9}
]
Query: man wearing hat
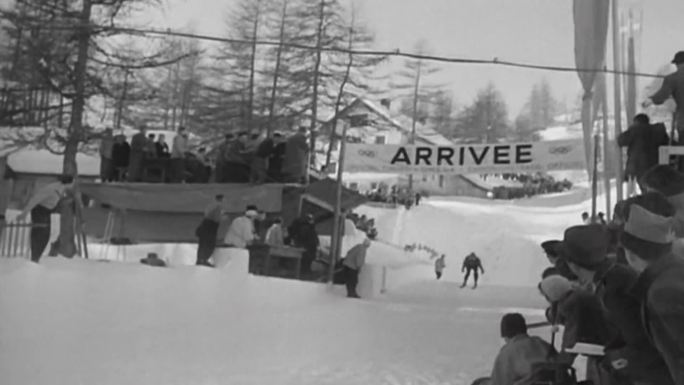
[
  {"x": 207, "y": 231},
  {"x": 241, "y": 231},
  {"x": 559, "y": 265},
  {"x": 670, "y": 183},
  {"x": 513, "y": 364},
  {"x": 673, "y": 87},
  {"x": 647, "y": 239}
]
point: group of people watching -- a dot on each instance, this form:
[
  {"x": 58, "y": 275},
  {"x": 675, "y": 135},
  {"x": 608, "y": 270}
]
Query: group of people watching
[
  {"x": 395, "y": 195},
  {"x": 364, "y": 224},
  {"x": 241, "y": 158},
  {"x": 619, "y": 286}
]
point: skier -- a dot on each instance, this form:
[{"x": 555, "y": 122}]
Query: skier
[
  {"x": 471, "y": 263},
  {"x": 439, "y": 266}
]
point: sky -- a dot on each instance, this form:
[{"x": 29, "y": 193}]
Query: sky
[{"x": 530, "y": 31}]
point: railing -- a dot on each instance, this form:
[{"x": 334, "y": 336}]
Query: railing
[{"x": 15, "y": 239}]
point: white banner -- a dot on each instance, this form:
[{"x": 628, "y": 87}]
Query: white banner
[{"x": 467, "y": 158}]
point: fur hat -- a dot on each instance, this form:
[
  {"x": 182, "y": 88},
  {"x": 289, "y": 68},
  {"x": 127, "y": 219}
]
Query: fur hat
[
  {"x": 555, "y": 287},
  {"x": 665, "y": 180},
  {"x": 650, "y": 218},
  {"x": 586, "y": 246}
]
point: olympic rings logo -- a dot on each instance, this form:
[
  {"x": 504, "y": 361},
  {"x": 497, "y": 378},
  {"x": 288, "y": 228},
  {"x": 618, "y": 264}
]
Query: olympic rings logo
[
  {"x": 367, "y": 153},
  {"x": 560, "y": 150}
]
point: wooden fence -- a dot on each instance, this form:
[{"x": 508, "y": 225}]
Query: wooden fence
[{"x": 15, "y": 239}]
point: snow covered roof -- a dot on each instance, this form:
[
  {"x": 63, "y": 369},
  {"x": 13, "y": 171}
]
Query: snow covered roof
[
  {"x": 43, "y": 162},
  {"x": 422, "y": 131}
]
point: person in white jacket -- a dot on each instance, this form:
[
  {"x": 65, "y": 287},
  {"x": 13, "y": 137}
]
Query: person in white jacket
[
  {"x": 241, "y": 231},
  {"x": 353, "y": 262},
  {"x": 275, "y": 235}
]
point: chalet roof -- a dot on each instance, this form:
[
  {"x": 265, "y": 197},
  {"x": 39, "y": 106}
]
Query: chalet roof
[{"x": 423, "y": 132}]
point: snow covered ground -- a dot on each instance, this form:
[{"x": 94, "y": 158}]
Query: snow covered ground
[{"x": 89, "y": 322}]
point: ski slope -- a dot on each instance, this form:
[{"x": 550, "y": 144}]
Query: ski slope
[{"x": 88, "y": 322}]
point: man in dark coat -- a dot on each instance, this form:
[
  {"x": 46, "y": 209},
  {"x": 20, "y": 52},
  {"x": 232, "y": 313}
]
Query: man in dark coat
[
  {"x": 137, "y": 156},
  {"x": 303, "y": 234},
  {"x": 276, "y": 159},
  {"x": 235, "y": 160},
  {"x": 672, "y": 87},
  {"x": 207, "y": 231},
  {"x": 670, "y": 183},
  {"x": 121, "y": 152},
  {"x": 642, "y": 140},
  {"x": 295, "y": 164},
  {"x": 647, "y": 238}
]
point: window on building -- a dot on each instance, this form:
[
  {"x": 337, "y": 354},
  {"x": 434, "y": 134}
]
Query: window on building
[
  {"x": 441, "y": 181},
  {"x": 359, "y": 120},
  {"x": 354, "y": 186},
  {"x": 425, "y": 177},
  {"x": 332, "y": 168},
  {"x": 380, "y": 139}
]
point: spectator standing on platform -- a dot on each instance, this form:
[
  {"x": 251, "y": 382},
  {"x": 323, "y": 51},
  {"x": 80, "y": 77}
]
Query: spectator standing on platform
[
  {"x": 236, "y": 166},
  {"x": 352, "y": 264},
  {"x": 647, "y": 239},
  {"x": 275, "y": 160},
  {"x": 41, "y": 205},
  {"x": 121, "y": 152},
  {"x": 241, "y": 231},
  {"x": 137, "y": 156},
  {"x": 107, "y": 156},
  {"x": 672, "y": 87},
  {"x": 207, "y": 231},
  {"x": 161, "y": 147},
  {"x": 259, "y": 166},
  {"x": 220, "y": 158},
  {"x": 178, "y": 151},
  {"x": 275, "y": 235},
  {"x": 642, "y": 140},
  {"x": 151, "y": 149},
  {"x": 295, "y": 165},
  {"x": 440, "y": 264}
]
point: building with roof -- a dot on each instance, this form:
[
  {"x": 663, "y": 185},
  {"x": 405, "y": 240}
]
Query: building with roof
[{"x": 375, "y": 124}]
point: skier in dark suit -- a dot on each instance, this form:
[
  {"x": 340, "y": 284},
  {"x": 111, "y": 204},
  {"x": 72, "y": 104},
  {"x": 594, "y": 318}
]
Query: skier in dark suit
[{"x": 471, "y": 263}]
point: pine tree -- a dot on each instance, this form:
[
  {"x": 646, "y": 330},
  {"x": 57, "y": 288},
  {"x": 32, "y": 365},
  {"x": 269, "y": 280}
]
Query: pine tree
[{"x": 486, "y": 119}]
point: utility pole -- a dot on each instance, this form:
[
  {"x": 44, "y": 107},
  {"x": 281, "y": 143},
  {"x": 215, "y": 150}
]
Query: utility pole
[{"x": 617, "y": 111}]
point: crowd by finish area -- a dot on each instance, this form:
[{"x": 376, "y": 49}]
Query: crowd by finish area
[
  {"x": 618, "y": 286},
  {"x": 242, "y": 158}
]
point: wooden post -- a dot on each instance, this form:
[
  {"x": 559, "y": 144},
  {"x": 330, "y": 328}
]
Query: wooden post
[
  {"x": 606, "y": 148},
  {"x": 594, "y": 181},
  {"x": 617, "y": 97},
  {"x": 336, "y": 239}
]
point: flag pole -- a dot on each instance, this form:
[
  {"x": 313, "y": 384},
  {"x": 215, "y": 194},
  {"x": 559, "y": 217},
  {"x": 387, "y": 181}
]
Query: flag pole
[
  {"x": 606, "y": 147},
  {"x": 617, "y": 111},
  {"x": 336, "y": 236}
]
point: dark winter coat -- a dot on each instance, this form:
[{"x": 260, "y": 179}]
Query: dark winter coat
[
  {"x": 660, "y": 289},
  {"x": 296, "y": 152},
  {"x": 472, "y": 262},
  {"x": 629, "y": 340},
  {"x": 304, "y": 234},
  {"x": 582, "y": 316},
  {"x": 513, "y": 364},
  {"x": 673, "y": 87},
  {"x": 642, "y": 142}
]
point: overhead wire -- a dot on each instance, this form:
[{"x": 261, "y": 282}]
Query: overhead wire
[{"x": 363, "y": 52}]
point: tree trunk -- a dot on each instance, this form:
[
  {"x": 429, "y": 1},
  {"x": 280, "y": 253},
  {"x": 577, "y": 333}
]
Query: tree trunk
[
  {"x": 276, "y": 72},
  {"x": 252, "y": 66},
  {"x": 67, "y": 246},
  {"x": 316, "y": 74},
  {"x": 122, "y": 101}
]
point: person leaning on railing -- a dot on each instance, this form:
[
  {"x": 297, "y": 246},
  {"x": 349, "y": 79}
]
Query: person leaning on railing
[{"x": 43, "y": 203}]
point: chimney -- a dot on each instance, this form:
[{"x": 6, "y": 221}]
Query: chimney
[{"x": 387, "y": 103}]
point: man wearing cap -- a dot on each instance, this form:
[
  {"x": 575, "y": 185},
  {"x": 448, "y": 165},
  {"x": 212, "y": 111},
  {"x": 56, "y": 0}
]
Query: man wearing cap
[
  {"x": 513, "y": 364},
  {"x": 241, "y": 231},
  {"x": 207, "y": 231},
  {"x": 673, "y": 87},
  {"x": 647, "y": 239}
]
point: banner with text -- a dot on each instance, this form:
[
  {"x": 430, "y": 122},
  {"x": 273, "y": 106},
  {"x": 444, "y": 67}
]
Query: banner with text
[{"x": 466, "y": 158}]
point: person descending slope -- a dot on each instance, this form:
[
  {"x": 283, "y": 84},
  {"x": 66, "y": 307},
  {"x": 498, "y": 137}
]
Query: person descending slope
[
  {"x": 439, "y": 266},
  {"x": 471, "y": 263}
]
